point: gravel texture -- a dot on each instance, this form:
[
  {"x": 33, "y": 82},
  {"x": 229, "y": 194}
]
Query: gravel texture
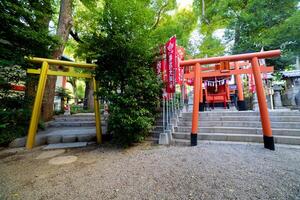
[{"x": 208, "y": 171}]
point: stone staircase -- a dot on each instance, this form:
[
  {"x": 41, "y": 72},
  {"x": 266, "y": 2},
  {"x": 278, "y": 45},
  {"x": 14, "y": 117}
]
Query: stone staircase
[
  {"x": 74, "y": 128},
  {"x": 239, "y": 126},
  {"x": 66, "y": 129}
]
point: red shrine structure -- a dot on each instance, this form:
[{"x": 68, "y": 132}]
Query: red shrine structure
[{"x": 214, "y": 79}]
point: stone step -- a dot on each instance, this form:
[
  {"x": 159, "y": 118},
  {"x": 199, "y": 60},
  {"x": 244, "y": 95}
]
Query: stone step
[
  {"x": 253, "y": 124},
  {"x": 184, "y": 139},
  {"x": 76, "y": 119},
  {"x": 89, "y": 115},
  {"x": 65, "y": 145},
  {"x": 257, "y": 118},
  {"x": 74, "y": 124},
  {"x": 58, "y": 135},
  {"x": 239, "y": 130},
  {"x": 152, "y": 139},
  {"x": 243, "y": 113},
  {"x": 155, "y": 133},
  {"x": 243, "y": 118}
]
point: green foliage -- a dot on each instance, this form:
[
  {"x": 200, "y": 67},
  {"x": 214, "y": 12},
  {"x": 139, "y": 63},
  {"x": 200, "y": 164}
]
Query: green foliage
[
  {"x": 181, "y": 24},
  {"x": 123, "y": 47},
  {"x": 79, "y": 109},
  {"x": 24, "y": 32},
  {"x": 80, "y": 89},
  {"x": 63, "y": 93},
  {"x": 254, "y": 24},
  {"x": 211, "y": 47},
  {"x": 13, "y": 124}
]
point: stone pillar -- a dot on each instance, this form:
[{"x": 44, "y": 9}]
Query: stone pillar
[
  {"x": 255, "y": 102},
  {"x": 277, "y": 96}
]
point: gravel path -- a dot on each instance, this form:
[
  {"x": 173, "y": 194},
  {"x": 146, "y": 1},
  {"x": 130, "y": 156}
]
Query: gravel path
[{"x": 208, "y": 171}]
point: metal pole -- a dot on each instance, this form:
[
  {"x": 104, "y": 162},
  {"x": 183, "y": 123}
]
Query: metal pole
[
  {"x": 163, "y": 114},
  {"x": 182, "y": 96},
  {"x": 171, "y": 106},
  {"x": 167, "y": 113}
]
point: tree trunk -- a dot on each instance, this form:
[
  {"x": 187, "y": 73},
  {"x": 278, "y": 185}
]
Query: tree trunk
[
  {"x": 72, "y": 81},
  {"x": 90, "y": 99},
  {"x": 65, "y": 23},
  {"x": 86, "y": 94},
  {"x": 62, "y": 104}
]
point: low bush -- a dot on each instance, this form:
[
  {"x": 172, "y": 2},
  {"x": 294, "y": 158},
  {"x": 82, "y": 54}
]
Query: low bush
[{"x": 13, "y": 124}]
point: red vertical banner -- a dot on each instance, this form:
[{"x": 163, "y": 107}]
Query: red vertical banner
[
  {"x": 179, "y": 71},
  {"x": 171, "y": 65},
  {"x": 164, "y": 69},
  {"x": 163, "y": 64},
  {"x": 251, "y": 83},
  {"x": 158, "y": 68}
]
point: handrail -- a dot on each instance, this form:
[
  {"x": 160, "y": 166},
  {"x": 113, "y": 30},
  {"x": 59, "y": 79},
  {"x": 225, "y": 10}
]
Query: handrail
[{"x": 60, "y": 62}]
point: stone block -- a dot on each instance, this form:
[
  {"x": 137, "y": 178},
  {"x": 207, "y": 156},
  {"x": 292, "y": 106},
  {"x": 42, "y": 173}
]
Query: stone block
[
  {"x": 40, "y": 140},
  {"x": 18, "y": 142},
  {"x": 86, "y": 138},
  {"x": 53, "y": 139},
  {"x": 69, "y": 138}
]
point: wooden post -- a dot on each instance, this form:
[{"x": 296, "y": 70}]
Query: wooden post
[
  {"x": 195, "y": 116},
  {"x": 263, "y": 108}
]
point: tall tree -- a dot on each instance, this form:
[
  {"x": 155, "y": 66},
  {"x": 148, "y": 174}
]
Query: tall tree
[
  {"x": 65, "y": 23},
  {"x": 252, "y": 24}
]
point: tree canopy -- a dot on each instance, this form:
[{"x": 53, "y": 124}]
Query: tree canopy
[{"x": 254, "y": 24}]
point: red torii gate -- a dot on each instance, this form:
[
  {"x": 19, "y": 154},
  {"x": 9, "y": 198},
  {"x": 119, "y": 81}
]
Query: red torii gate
[{"x": 256, "y": 70}]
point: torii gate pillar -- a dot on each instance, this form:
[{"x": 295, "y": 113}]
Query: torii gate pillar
[
  {"x": 263, "y": 107},
  {"x": 239, "y": 84}
]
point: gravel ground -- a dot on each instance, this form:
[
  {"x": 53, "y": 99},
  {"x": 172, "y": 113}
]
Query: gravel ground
[{"x": 208, "y": 171}]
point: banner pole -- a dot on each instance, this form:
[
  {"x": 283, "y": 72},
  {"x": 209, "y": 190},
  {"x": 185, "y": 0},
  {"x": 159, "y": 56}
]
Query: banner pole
[
  {"x": 167, "y": 112},
  {"x": 163, "y": 114}
]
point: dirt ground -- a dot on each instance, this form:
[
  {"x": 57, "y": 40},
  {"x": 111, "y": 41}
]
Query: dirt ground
[{"x": 208, "y": 171}]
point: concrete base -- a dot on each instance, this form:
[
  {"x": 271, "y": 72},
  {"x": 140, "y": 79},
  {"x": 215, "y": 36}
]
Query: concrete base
[
  {"x": 163, "y": 139},
  {"x": 201, "y": 107},
  {"x": 193, "y": 139},
  {"x": 66, "y": 145},
  {"x": 170, "y": 135},
  {"x": 269, "y": 143}
]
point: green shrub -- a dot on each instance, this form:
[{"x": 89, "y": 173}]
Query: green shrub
[
  {"x": 13, "y": 124},
  {"x": 133, "y": 112},
  {"x": 124, "y": 52}
]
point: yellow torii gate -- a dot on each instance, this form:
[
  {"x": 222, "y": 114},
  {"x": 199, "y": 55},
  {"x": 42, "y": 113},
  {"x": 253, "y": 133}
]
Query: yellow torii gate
[{"x": 44, "y": 72}]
